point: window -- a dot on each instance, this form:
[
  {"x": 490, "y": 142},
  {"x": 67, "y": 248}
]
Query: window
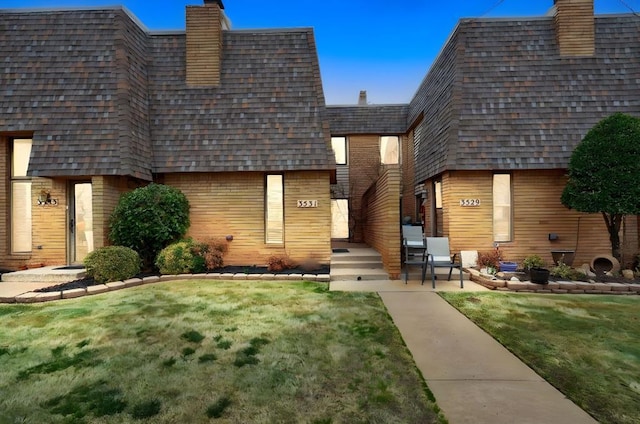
[
  {"x": 20, "y": 196},
  {"x": 501, "y": 207},
  {"x": 339, "y": 146},
  {"x": 390, "y": 150},
  {"x": 274, "y": 213},
  {"x": 437, "y": 194},
  {"x": 340, "y": 218}
]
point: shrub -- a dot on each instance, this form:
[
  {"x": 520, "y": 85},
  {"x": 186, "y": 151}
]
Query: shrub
[
  {"x": 565, "y": 272},
  {"x": 279, "y": 263},
  {"x": 148, "y": 219},
  {"x": 189, "y": 256},
  {"x": 533, "y": 261},
  {"x": 490, "y": 259},
  {"x": 212, "y": 252},
  {"x": 177, "y": 258},
  {"x": 112, "y": 263}
]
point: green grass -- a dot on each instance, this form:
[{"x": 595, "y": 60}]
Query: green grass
[
  {"x": 204, "y": 351},
  {"x": 587, "y": 346}
]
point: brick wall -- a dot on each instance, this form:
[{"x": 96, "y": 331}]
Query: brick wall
[
  {"x": 537, "y": 211},
  {"x": 232, "y": 204},
  {"x": 364, "y": 170},
  {"x": 204, "y": 45},
  {"x": 382, "y": 208}
]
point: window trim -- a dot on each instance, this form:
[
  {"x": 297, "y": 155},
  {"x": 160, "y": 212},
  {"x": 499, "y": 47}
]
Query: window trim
[
  {"x": 346, "y": 149},
  {"x": 398, "y": 160},
  {"x": 26, "y": 216},
  {"x": 495, "y": 205},
  {"x": 437, "y": 194},
  {"x": 269, "y": 217}
]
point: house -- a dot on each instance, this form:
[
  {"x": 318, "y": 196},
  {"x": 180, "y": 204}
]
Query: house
[
  {"x": 489, "y": 133},
  {"x": 92, "y": 104}
]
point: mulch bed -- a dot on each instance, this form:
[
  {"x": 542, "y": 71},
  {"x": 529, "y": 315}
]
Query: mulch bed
[{"x": 86, "y": 282}]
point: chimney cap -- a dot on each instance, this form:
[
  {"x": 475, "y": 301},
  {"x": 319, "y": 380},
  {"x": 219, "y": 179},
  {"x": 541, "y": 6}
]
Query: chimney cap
[{"x": 218, "y": 2}]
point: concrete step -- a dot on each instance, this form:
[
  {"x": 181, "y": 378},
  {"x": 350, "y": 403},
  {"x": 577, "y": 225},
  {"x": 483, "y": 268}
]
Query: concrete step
[
  {"x": 356, "y": 264},
  {"x": 48, "y": 274},
  {"x": 358, "y": 274}
]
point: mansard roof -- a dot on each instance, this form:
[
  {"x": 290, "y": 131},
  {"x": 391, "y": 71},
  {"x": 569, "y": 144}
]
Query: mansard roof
[
  {"x": 104, "y": 96},
  {"x": 501, "y": 97}
]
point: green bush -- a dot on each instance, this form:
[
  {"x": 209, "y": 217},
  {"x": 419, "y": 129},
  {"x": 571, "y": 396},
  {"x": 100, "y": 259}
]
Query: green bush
[
  {"x": 191, "y": 257},
  {"x": 112, "y": 263},
  {"x": 533, "y": 261},
  {"x": 177, "y": 258},
  {"x": 565, "y": 272},
  {"x": 148, "y": 219}
]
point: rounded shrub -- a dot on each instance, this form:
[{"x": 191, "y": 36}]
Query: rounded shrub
[
  {"x": 191, "y": 257},
  {"x": 112, "y": 263},
  {"x": 177, "y": 258},
  {"x": 148, "y": 219}
]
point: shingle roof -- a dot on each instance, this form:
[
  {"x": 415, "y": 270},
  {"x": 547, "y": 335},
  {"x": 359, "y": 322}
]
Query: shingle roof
[
  {"x": 73, "y": 78},
  {"x": 369, "y": 119},
  {"x": 105, "y": 97},
  {"x": 508, "y": 100},
  {"x": 268, "y": 113}
]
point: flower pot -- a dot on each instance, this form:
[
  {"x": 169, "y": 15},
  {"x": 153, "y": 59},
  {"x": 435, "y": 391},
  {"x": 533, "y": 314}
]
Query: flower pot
[
  {"x": 539, "y": 275},
  {"x": 508, "y": 266}
]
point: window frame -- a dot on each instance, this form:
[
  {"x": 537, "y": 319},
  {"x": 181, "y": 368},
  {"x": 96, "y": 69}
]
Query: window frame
[
  {"x": 273, "y": 217},
  {"x": 24, "y": 216},
  {"x": 345, "y": 146},
  {"x": 500, "y": 203},
  {"x": 437, "y": 194},
  {"x": 398, "y": 159}
]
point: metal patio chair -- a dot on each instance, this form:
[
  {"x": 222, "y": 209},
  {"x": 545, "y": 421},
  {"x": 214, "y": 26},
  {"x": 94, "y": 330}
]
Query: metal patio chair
[
  {"x": 439, "y": 255},
  {"x": 414, "y": 249}
]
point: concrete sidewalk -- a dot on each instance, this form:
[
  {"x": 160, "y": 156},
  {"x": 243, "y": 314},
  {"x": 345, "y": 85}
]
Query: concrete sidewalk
[{"x": 473, "y": 377}]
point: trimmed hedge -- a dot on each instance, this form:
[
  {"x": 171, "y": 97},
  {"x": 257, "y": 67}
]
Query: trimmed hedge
[{"x": 112, "y": 263}]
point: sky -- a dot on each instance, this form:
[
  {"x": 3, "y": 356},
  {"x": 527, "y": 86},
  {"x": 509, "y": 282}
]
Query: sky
[{"x": 383, "y": 47}]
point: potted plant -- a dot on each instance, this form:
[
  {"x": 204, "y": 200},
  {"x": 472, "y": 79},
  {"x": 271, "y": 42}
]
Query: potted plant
[{"x": 534, "y": 265}]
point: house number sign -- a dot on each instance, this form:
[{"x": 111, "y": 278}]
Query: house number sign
[
  {"x": 469, "y": 202},
  {"x": 307, "y": 203}
]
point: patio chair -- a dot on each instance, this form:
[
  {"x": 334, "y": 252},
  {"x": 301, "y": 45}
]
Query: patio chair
[
  {"x": 439, "y": 255},
  {"x": 414, "y": 249}
]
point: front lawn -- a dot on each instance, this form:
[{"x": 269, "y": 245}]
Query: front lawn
[
  {"x": 209, "y": 351},
  {"x": 588, "y": 346}
]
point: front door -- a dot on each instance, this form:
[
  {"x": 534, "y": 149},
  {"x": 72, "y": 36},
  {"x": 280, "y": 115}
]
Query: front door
[{"x": 80, "y": 222}]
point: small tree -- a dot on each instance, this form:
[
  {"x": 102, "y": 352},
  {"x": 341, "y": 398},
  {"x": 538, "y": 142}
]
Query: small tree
[
  {"x": 604, "y": 173},
  {"x": 148, "y": 219}
]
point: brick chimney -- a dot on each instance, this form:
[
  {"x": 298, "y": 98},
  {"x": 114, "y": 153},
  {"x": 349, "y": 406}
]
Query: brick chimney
[
  {"x": 575, "y": 27},
  {"x": 205, "y": 25},
  {"x": 362, "y": 98}
]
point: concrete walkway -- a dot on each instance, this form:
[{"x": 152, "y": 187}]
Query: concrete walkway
[{"x": 473, "y": 377}]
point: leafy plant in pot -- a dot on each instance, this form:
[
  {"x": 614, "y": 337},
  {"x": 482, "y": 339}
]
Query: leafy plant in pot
[{"x": 534, "y": 265}]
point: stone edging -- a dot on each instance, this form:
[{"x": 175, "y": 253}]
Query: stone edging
[
  {"x": 572, "y": 287},
  {"x": 34, "y": 297}
]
